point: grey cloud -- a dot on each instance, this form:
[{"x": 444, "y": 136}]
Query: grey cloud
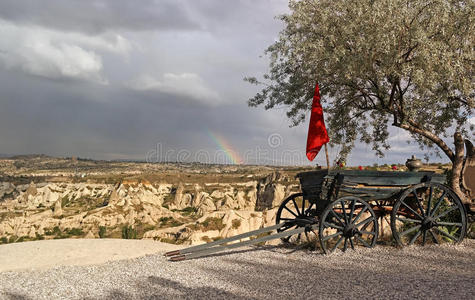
[
  {"x": 60, "y": 119},
  {"x": 245, "y": 16},
  {"x": 76, "y": 117},
  {"x": 100, "y": 15},
  {"x": 188, "y": 85},
  {"x": 67, "y": 118}
]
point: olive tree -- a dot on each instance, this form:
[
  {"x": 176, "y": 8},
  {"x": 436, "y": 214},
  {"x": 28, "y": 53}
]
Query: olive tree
[{"x": 405, "y": 63}]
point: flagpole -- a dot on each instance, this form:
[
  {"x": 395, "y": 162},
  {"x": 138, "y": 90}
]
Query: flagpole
[{"x": 326, "y": 153}]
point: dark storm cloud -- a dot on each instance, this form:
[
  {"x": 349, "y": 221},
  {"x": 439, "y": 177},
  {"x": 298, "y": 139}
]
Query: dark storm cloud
[
  {"x": 98, "y": 16},
  {"x": 248, "y": 16},
  {"x": 68, "y": 118},
  {"x": 157, "y": 72},
  {"x": 61, "y": 119}
]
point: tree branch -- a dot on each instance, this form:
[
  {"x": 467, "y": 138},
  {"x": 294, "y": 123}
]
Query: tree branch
[
  {"x": 391, "y": 96},
  {"x": 401, "y": 102},
  {"x": 416, "y": 128},
  {"x": 408, "y": 52},
  {"x": 459, "y": 99}
]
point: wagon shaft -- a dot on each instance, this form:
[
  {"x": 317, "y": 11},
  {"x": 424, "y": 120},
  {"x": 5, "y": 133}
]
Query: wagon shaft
[{"x": 226, "y": 244}]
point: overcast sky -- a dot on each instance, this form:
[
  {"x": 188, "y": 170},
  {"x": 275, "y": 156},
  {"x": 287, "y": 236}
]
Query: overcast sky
[{"x": 157, "y": 80}]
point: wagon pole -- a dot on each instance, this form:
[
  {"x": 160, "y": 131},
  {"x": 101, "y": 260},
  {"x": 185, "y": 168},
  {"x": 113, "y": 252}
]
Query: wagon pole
[{"x": 326, "y": 154}]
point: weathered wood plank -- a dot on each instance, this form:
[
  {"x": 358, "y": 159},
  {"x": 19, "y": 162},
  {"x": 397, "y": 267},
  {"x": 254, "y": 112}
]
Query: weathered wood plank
[
  {"x": 385, "y": 178},
  {"x": 311, "y": 182},
  {"x": 375, "y": 185},
  {"x": 370, "y": 193}
]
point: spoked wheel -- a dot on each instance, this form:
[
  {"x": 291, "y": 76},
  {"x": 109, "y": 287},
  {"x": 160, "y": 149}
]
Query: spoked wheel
[
  {"x": 297, "y": 212},
  {"x": 428, "y": 213},
  {"x": 348, "y": 222}
]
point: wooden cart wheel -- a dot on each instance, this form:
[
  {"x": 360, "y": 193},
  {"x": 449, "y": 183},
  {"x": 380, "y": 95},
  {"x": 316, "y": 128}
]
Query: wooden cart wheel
[
  {"x": 348, "y": 222},
  {"x": 298, "y": 212},
  {"x": 428, "y": 213}
]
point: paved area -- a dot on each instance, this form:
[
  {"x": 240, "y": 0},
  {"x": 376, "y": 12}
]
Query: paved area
[{"x": 74, "y": 252}]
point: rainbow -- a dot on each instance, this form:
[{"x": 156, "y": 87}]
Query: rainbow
[{"x": 223, "y": 145}]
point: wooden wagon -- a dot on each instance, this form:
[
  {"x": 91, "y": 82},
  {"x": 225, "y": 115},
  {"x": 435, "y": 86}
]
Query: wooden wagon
[
  {"x": 348, "y": 204},
  {"x": 341, "y": 209}
]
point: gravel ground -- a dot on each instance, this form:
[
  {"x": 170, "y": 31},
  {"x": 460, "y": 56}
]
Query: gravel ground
[
  {"x": 46, "y": 254},
  {"x": 443, "y": 272}
]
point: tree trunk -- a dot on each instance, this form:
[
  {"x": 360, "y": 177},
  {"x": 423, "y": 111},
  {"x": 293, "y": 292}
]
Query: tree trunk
[
  {"x": 468, "y": 175},
  {"x": 456, "y": 157},
  {"x": 457, "y": 164}
]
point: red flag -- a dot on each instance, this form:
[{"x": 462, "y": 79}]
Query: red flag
[{"x": 317, "y": 133}]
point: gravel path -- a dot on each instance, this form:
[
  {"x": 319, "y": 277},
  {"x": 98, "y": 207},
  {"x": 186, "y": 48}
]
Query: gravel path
[
  {"x": 443, "y": 272},
  {"x": 74, "y": 252}
]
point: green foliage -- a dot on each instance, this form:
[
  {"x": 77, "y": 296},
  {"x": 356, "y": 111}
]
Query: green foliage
[
  {"x": 187, "y": 211},
  {"x": 4, "y": 240},
  {"x": 102, "y": 232},
  {"x": 236, "y": 223},
  {"x": 142, "y": 228},
  {"x": 56, "y": 231},
  {"x": 212, "y": 223},
  {"x": 103, "y": 203},
  {"x": 169, "y": 221},
  {"x": 146, "y": 228},
  {"x": 206, "y": 239},
  {"x": 67, "y": 233},
  {"x": 65, "y": 201},
  {"x": 165, "y": 219},
  {"x": 404, "y": 63},
  {"x": 128, "y": 232},
  {"x": 448, "y": 176},
  {"x": 471, "y": 230},
  {"x": 168, "y": 199},
  {"x": 259, "y": 236},
  {"x": 167, "y": 240},
  {"x": 451, "y": 230},
  {"x": 75, "y": 232},
  {"x": 194, "y": 227}
]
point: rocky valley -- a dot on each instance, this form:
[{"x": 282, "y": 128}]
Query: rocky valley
[{"x": 49, "y": 198}]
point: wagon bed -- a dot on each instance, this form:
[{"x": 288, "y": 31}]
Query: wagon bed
[{"x": 371, "y": 185}]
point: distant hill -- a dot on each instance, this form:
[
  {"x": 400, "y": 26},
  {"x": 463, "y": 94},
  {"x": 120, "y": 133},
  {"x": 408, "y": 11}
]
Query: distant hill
[{"x": 28, "y": 156}]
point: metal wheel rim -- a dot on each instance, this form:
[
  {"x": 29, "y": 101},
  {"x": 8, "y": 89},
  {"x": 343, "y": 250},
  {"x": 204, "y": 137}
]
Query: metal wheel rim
[
  {"x": 308, "y": 235},
  {"x": 346, "y": 217},
  {"x": 428, "y": 213}
]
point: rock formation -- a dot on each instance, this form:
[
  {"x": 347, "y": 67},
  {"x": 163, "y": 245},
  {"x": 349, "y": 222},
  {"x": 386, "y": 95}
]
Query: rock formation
[
  {"x": 270, "y": 192},
  {"x": 58, "y": 210},
  {"x": 179, "y": 212}
]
